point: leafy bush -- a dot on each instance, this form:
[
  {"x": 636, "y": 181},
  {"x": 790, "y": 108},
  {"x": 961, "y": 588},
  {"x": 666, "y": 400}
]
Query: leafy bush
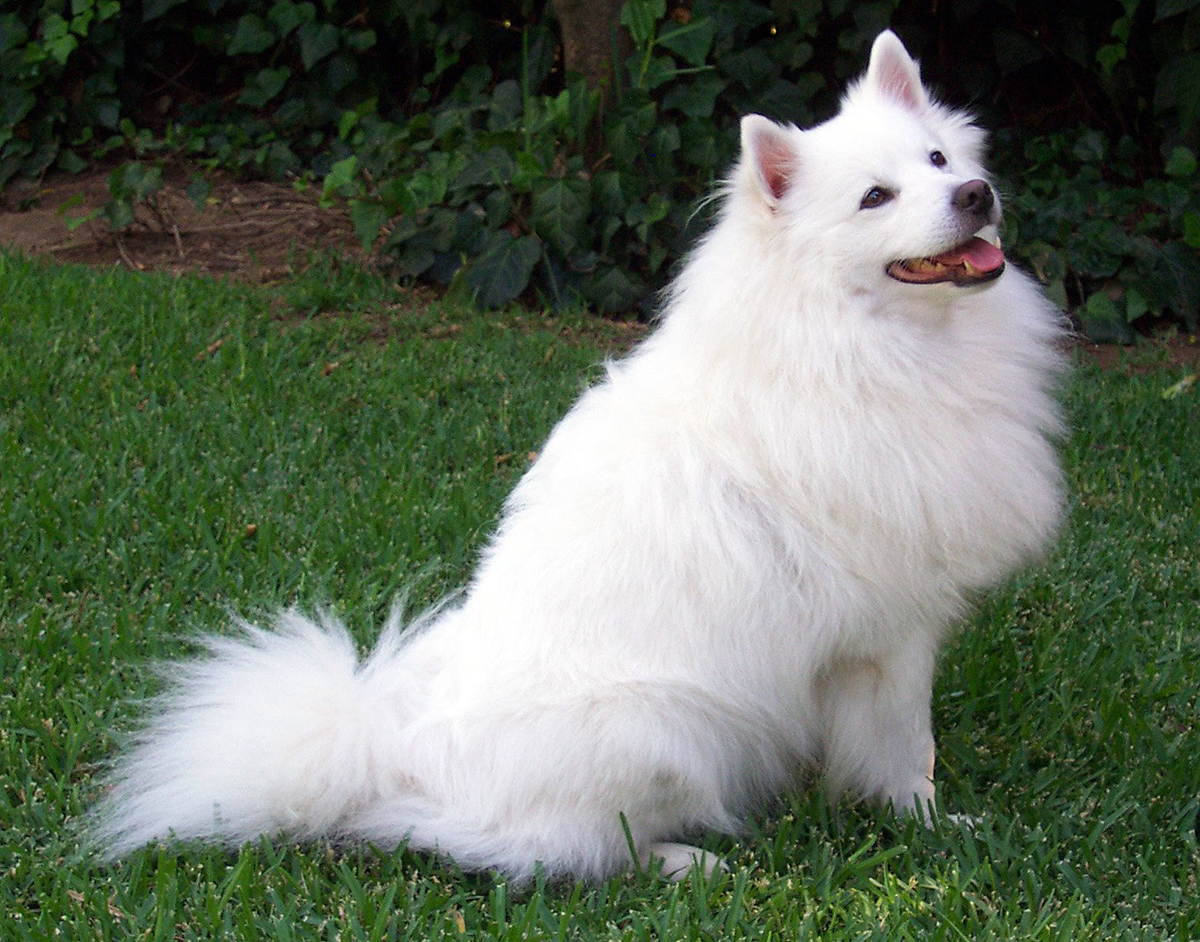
[
  {"x": 45, "y": 89},
  {"x": 502, "y": 185},
  {"x": 469, "y": 156},
  {"x": 1107, "y": 242},
  {"x": 497, "y": 188}
]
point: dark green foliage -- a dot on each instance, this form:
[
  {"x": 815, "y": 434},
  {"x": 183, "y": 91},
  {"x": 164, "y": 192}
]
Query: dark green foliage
[
  {"x": 602, "y": 200},
  {"x": 43, "y": 89},
  {"x": 470, "y": 156},
  {"x": 1109, "y": 246}
]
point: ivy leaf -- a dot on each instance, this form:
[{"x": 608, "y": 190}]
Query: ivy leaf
[
  {"x": 622, "y": 143},
  {"x": 584, "y": 103},
  {"x": 785, "y": 100},
  {"x": 529, "y": 170},
  {"x": 82, "y": 16},
  {"x": 1176, "y": 86},
  {"x": 664, "y": 142},
  {"x": 134, "y": 182},
  {"x": 1135, "y": 305},
  {"x": 360, "y": 40},
  {"x": 609, "y": 194},
  {"x": 1191, "y": 229},
  {"x": 198, "y": 192},
  {"x": 1090, "y": 147},
  {"x": 644, "y": 214},
  {"x": 397, "y": 196},
  {"x": 749, "y": 67},
  {"x": 1181, "y": 163},
  {"x": 611, "y": 290},
  {"x": 607, "y": 231},
  {"x": 502, "y": 270},
  {"x": 15, "y": 104},
  {"x": 643, "y": 118},
  {"x": 1109, "y": 55},
  {"x": 317, "y": 40},
  {"x": 640, "y": 16},
  {"x": 696, "y": 99},
  {"x": 153, "y": 9},
  {"x": 286, "y": 16},
  {"x": 71, "y": 162},
  {"x": 1181, "y": 268},
  {"x": 119, "y": 214},
  {"x": 559, "y": 211},
  {"x": 55, "y": 27},
  {"x": 497, "y": 208},
  {"x": 493, "y": 167},
  {"x": 658, "y": 71},
  {"x": 58, "y": 39},
  {"x": 699, "y": 145},
  {"x": 250, "y": 37},
  {"x": 74, "y": 222},
  {"x": 413, "y": 259},
  {"x": 1166, "y": 8},
  {"x": 692, "y": 41},
  {"x": 263, "y": 86},
  {"x": 507, "y": 104},
  {"x": 340, "y": 71},
  {"x": 1102, "y": 320},
  {"x": 368, "y": 217},
  {"x": 13, "y": 32},
  {"x": 106, "y": 112},
  {"x": 340, "y": 174},
  {"x": 428, "y": 186},
  {"x": 1097, "y": 248}
]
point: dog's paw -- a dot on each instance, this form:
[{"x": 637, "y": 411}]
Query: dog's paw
[
  {"x": 928, "y": 814},
  {"x": 677, "y": 860},
  {"x": 934, "y": 818}
]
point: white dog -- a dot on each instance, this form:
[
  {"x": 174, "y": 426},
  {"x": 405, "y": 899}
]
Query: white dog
[{"x": 735, "y": 556}]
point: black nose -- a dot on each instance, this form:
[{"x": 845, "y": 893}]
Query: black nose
[{"x": 975, "y": 197}]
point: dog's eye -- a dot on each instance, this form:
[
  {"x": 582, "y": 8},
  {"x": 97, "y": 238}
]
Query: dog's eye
[
  {"x": 876, "y": 196},
  {"x": 937, "y": 158}
]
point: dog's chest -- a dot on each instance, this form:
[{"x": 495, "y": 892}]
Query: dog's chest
[{"x": 914, "y": 492}]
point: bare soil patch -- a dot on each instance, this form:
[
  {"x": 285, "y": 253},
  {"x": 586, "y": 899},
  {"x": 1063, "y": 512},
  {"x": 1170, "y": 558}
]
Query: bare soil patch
[
  {"x": 254, "y": 231},
  {"x": 1160, "y": 350}
]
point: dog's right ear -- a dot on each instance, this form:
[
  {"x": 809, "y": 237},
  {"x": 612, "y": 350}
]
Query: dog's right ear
[
  {"x": 770, "y": 151},
  {"x": 894, "y": 74}
]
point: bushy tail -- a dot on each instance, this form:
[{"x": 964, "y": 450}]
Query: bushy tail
[{"x": 272, "y": 732}]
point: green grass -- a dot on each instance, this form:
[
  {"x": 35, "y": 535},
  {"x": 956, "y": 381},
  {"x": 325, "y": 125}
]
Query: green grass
[{"x": 174, "y": 449}]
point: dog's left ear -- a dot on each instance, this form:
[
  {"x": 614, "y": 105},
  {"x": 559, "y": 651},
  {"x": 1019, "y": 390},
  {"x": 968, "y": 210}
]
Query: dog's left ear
[{"x": 893, "y": 72}]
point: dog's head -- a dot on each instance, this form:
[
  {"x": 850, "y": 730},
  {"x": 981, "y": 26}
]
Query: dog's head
[{"x": 891, "y": 193}]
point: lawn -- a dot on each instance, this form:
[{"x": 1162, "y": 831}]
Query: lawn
[{"x": 174, "y": 449}]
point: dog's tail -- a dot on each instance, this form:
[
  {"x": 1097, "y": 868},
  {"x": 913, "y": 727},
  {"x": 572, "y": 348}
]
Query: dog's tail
[{"x": 273, "y": 732}]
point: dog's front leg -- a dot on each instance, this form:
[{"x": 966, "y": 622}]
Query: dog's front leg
[{"x": 877, "y": 729}]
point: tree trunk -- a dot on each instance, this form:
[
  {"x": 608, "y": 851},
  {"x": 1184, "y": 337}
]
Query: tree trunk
[{"x": 592, "y": 39}]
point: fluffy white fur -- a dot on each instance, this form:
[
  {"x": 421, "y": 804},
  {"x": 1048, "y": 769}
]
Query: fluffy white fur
[{"x": 734, "y": 557}]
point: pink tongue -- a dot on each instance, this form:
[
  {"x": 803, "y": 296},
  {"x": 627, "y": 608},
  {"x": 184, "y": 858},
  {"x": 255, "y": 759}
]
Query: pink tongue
[{"x": 980, "y": 253}]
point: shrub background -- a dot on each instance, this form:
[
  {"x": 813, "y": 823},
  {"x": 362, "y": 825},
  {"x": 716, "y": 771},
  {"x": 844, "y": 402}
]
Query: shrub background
[{"x": 470, "y": 154}]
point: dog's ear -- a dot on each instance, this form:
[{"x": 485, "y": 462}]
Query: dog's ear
[
  {"x": 893, "y": 72},
  {"x": 770, "y": 151}
]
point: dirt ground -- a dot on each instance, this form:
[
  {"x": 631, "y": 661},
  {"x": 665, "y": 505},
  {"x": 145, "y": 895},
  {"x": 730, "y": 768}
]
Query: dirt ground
[
  {"x": 252, "y": 231},
  {"x": 263, "y": 232}
]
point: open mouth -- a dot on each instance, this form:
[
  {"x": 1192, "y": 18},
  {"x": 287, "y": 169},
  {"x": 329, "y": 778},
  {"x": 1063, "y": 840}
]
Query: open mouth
[{"x": 972, "y": 263}]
